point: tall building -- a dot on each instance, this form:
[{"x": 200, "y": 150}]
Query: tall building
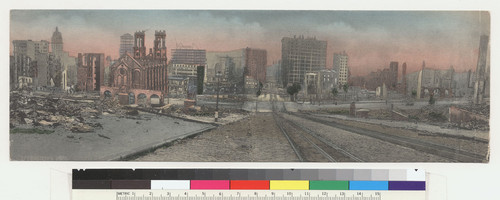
[
  {"x": 25, "y": 66},
  {"x": 340, "y": 64},
  {"x": 299, "y": 56},
  {"x": 236, "y": 68},
  {"x": 183, "y": 71},
  {"x": 57, "y": 42},
  {"x": 481, "y": 85},
  {"x": 126, "y": 44},
  {"x": 255, "y": 63},
  {"x": 403, "y": 81},
  {"x": 189, "y": 56},
  {"x": 227, "y": 68},
  {"x": 273, "y": 74},
  {"x": 393, "y": 78},
  {"x": 33, "y": 62}
]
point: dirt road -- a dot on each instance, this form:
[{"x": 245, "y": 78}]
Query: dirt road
[{"x": 254, "y": 139}]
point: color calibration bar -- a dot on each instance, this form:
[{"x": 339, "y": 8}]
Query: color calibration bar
[
  {"x": 160, "y": 184},
  {"x": 249, "y": 185},
  {"x": 251, "y": 174}
]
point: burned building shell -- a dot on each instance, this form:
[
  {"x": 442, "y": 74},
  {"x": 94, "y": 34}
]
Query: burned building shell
[{"x": 139, "y": 79}]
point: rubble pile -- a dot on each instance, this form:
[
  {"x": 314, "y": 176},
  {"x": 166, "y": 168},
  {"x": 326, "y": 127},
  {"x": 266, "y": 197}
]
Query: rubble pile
[
  {"x": 73, "y": 115},
  {"x": 474, "y": 124},
  {"x": 198, "y": 111},
  {"x": 471, "y": 125},
  {"x": 481, "y": 109},
  {"x": 431, "y": 114}
]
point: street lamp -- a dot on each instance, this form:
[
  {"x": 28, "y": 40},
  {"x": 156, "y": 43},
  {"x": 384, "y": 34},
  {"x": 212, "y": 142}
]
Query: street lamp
[{"x": 218, "y": 75}]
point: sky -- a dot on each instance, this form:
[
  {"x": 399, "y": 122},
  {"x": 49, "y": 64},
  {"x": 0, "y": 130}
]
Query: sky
[{"x": 372, "y": 39}]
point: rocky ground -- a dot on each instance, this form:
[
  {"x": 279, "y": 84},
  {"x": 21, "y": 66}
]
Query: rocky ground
[
  {"x": 47, "y": 126},
  {"x": 431, "y": 114},
  {"x": 46, "y": 111},
  {"x": 256, "y": 138}
]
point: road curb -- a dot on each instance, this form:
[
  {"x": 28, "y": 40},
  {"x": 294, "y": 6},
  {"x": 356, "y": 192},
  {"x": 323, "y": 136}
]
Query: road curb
[{"x": 150, "y": 148}]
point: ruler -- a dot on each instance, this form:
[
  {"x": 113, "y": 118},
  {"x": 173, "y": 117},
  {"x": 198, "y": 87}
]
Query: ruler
[
  {"x": 245, "y": 195},
  {"x": 248, "y": 184}
]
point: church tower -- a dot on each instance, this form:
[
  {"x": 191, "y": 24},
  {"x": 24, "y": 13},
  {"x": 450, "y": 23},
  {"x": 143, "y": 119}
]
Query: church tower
[
  {"x": 139, "y": 46},
  {"x": 160, "y": 50}
]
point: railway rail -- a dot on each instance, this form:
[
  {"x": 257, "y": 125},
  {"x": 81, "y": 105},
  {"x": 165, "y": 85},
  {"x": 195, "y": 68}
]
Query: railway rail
[
  {"x": 308, "y": 144},
  {"x": 416, "y": 144}
]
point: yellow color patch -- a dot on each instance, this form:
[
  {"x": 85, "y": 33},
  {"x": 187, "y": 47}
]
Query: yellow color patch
[{"x": 288, "y": 185}]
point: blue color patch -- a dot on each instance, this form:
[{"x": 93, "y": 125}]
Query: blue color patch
[{"x": 368, "y": 185}]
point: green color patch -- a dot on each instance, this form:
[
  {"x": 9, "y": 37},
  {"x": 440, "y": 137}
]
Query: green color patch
[
  {"x": 328, "y": 185},
  {"x": 30, "y": 131}
]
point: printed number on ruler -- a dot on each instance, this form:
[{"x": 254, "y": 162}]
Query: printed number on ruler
[{"x": 244, "y": 194}]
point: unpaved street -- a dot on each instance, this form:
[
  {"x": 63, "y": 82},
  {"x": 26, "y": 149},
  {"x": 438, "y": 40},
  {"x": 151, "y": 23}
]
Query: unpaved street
[{"x": 256, "y": 138}]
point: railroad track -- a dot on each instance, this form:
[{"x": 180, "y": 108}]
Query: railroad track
[
  {"x": 308, "y": 145},
  {"x": 419, "y": 145}
]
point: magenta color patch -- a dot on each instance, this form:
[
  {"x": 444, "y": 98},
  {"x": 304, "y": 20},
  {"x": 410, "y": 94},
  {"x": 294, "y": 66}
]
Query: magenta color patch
[{"x": 209, "y": 184}]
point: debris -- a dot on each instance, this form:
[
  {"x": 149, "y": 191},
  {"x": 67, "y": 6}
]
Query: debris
[
  {"x": 28, "y": 121},
  {"x": 72, "y": 112},
  {"x": 103, "y": 136},
  {"x": 45, "y": 123},
  {"x": 132, "y": 112},
  {"x": 82, "y": 128}
]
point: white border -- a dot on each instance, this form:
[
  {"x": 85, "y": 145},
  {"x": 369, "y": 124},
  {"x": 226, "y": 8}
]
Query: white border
[{"x": 32, "y": 180}]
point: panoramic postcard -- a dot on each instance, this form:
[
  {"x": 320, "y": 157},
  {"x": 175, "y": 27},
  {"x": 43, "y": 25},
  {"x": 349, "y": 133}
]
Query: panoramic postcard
[{"x": 245, "y": 86}]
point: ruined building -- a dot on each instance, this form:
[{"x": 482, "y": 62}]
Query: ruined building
[
  {"x": 427, "y": 82},
  {"x": 273, "y": 75},
  {"x": 240, "y": 70},
  {"x": 90, "y": 71},
  {"x": 24, "y": 69},
  {"x": 255, "y": 69},
  {"x": 139, "y": 78},
  {"x": 482, "y": 78},
  {"x": 183, "y": 71},
  {"x": 299, "y": 56},
  {"x": 256, "y": 62},
  {"x": 387, "y": 77}
]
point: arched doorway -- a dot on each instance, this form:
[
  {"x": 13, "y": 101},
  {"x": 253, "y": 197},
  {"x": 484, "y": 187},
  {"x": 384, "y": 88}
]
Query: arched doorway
[
  {"x": 155, "y": 99},
  {"x": 142, "y": 99},
  {"x": 107, "y": 94},
  {"x": 131, "y": 98}
]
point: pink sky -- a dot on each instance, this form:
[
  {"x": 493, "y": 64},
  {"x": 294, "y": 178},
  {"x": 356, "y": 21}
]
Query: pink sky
[{"x": 371, "y": 39}]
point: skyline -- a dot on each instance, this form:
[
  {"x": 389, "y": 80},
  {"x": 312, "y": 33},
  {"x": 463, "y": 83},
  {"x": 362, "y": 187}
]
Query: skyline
[{"x": 371, "y": 38}]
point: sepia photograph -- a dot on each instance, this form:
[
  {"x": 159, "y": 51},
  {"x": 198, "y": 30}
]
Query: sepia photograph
[{"x": 249, "y": 86}]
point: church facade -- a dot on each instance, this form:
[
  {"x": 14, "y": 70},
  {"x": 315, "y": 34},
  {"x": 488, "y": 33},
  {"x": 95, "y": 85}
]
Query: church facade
[{"x": 140, "y": 78}]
